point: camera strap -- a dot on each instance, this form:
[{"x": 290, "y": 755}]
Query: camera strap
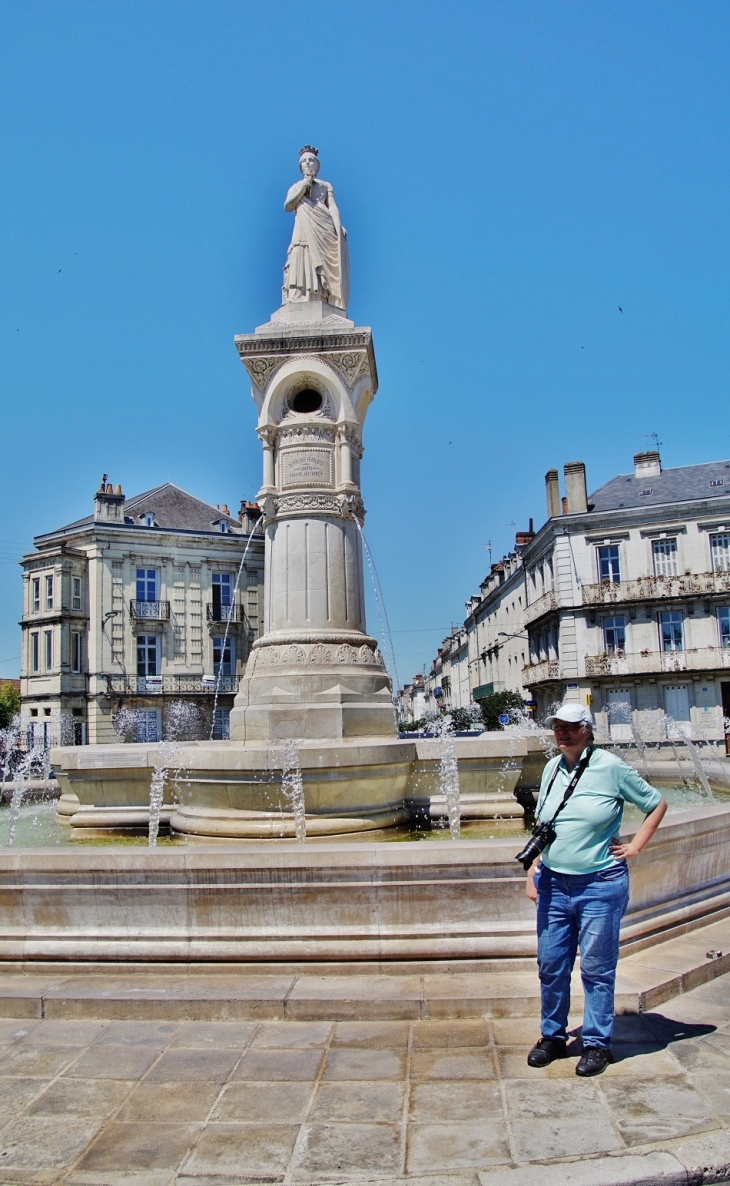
[{"x": 571, "y": 785}]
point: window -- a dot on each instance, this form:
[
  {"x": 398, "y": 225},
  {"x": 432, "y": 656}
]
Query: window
[
  {"x": 670, "y": 627},
  {"x": 723, "y": 617},
  {"x": 720, "y": 551},
  {"x": 147, "y": 654},
  {"x": 148, "y": 725},
  {"x": 223, "y": 656},
  {"x": 146, "y": 584},
  {"x": 49, "y": 592},
  {"x": 223, "y": 526},
  {"x": 664, "y": 552},
  {"x": 221, "y": 724},
  {"x": 76, "y": 593},
  {"x": 221, "y": 596},
  {"x": 148, "y": 519},
  {"x": 717, "y": 482},
  {"x": 35, "y": 651},
  {"x": 76, "y": 652},
  {"x": 614, "y": 635},
  {"x": 608, "y": 564},
  {"x": 48, "y": 648},
  {"x": 36, "y": 594}
]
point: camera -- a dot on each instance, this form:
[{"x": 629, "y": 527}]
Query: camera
[{"x": 542, "y": 835}]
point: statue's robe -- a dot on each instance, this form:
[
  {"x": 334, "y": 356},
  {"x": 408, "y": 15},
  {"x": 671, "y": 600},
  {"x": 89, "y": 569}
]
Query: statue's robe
[{"x": 316, "y": 262}]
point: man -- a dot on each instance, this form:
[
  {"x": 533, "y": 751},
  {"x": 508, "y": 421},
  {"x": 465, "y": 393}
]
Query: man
[{"x": 580, "y": 883}]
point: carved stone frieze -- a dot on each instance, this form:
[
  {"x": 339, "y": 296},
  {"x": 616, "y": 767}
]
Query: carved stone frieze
[
  {"x": 297, "y": 434},
  {"x": 327, "y": 503},
  {"x": 316, "y": 654}
]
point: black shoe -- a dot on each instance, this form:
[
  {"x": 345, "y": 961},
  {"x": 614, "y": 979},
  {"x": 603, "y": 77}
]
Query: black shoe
[
  {"x": 593, "y": 1060},
  {"x": 546, "y": 1051}
]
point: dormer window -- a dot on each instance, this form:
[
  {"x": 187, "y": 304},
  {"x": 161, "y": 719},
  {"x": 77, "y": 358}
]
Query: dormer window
[
  {"x": 148, "y": 519},
  {"x": 221, "y": 525},
  {"x": 717, "y": 482},
  {"x": 647, "y": 490}
]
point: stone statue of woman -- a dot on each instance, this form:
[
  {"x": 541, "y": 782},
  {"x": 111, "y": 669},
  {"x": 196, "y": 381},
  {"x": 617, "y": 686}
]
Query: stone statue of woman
[{"x": 316, "y": 262}]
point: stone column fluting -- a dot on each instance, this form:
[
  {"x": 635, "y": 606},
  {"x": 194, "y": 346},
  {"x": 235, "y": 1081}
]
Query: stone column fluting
[{"x": 315, "y": 673}]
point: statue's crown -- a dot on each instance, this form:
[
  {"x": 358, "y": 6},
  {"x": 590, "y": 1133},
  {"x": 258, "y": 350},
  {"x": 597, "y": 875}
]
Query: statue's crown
[{"x": 309, "y": 148}]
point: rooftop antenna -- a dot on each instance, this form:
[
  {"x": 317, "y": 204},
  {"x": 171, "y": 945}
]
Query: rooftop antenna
[
  {"x": 654, "y": 437},
  {"x": 488, "y": 546}
]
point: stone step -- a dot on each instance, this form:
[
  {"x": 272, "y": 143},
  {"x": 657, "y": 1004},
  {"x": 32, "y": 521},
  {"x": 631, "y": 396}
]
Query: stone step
[{"x": 645, "y": 980}]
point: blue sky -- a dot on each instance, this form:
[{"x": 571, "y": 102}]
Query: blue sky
[{"x": 509, "y": 173}]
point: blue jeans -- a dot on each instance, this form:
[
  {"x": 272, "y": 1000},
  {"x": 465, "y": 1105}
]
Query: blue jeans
[{"x": 579, "y": 911}]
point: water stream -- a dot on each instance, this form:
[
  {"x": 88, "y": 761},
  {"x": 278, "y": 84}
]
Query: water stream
[
  {"x": 292, "y": 788},
  {"x": 226, "y": 632}
]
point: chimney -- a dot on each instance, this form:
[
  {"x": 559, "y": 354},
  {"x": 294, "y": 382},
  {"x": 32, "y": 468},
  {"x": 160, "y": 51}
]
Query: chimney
[
  {"x": 249, "y": 514},
  {"x": 647, "y": 465},
  {"x": 522, "y": 538},
  {"x": 552, "y": 493},
  {"x": 575, "y": 487},
  {"x": 224, "y": 508},
  {"x": 108, "y": 502}
]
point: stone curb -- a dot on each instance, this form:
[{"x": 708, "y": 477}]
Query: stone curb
[{"x": 699, "y": 1160}]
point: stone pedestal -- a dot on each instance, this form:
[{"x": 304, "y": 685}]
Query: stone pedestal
[{"x": 315, "y": 673}]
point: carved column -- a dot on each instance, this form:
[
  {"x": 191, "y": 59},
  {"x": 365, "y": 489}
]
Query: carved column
[{"x": 315, "y": 672}]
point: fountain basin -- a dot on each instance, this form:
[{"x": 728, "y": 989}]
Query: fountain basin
[
  {"x": 329, "y": 902},
  {"x": 227, "y": 789}
]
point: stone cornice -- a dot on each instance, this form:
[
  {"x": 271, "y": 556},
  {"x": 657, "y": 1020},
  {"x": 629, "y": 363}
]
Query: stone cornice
[{"x": 623, "y": 518}]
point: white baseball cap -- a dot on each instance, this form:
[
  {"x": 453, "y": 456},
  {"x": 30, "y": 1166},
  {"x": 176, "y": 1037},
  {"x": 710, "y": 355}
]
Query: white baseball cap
[{"x": 572, "y": 714}]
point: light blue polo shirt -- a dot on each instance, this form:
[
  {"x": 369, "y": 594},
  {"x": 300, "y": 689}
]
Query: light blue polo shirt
[{"x": 592, "y": 816}]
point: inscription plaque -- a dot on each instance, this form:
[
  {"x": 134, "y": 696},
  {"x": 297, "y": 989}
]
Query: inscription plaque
[{"x": 306, "y": 467}]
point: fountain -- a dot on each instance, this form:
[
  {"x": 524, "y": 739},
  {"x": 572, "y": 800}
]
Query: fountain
[{"x": 316, "y": 704}]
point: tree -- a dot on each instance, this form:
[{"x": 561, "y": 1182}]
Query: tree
[
  {"x": 500, "y": 702},
  {"x": 9, "y": 703}
]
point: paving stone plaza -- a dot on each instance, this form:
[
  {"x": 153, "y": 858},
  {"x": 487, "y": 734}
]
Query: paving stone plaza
[{"x": 104, "y": 1102}]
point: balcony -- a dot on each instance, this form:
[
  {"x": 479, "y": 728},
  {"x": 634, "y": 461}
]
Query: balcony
[
  {"x": 700, "y": 584},
  {"x": 169, "y": 685},
  {"x": 539, "y": 673},
  {"x": 657, "y": 662},
  {"x": 544, "y": 605},
  {"x": 223, "y": 614},
  {"x": 149, "y": 611}
]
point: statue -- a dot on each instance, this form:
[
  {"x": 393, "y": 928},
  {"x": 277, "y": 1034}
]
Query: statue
[{"x": 316, "y": 262}]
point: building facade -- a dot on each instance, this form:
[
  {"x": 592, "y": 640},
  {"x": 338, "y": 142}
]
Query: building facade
[
  {"x": 628, "y": 597},
  {"x": 134, "y": 607}
]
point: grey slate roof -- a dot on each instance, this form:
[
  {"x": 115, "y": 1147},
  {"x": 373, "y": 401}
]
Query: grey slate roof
[
  {"x": 172, "y": 507},
  {"x": 686, "y": 483}
]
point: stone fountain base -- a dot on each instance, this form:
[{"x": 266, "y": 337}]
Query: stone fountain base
[
  {"x": 231, "y": 790},
  {"x": 330, "y": 903}
]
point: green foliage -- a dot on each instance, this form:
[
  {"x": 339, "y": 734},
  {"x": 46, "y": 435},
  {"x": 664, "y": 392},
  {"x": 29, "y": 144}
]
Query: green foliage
[
  {"x": 9, "y": 703},
  {"x": 410, "y": 726},
  {"x": 500, "y": 702},
  {"x": 465, "y": 718}
]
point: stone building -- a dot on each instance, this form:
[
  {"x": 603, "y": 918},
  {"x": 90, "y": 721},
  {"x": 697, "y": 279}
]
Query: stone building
[
  {"x": 128, "y": 608},
  {"x": 495, "y": 626},
  {"x": 489, "y": 652},
  {"x": 628, "y": 597}
]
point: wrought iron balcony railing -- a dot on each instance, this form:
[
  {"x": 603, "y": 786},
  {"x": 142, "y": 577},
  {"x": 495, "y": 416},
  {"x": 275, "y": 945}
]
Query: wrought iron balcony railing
[
  {"x": 223, "y": 613},
  {"x": 655, "y": 662},
  {"x": 698, "y": 584},
  {"x": 544, "y": 605},
  {"x": 538, "y": 673},
  {"x": 149, "y": 611},
  {"x": 170, "y": 685}
]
